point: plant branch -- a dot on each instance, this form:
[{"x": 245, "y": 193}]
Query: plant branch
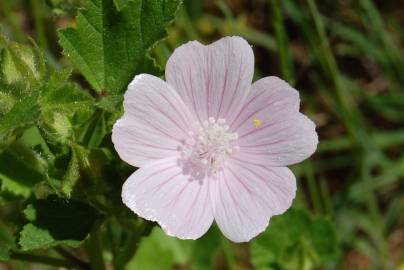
[
  {"x": 72, "y": 259},
  {"x": 94, "y": 251},
  {"x": 45, "y": 260}
]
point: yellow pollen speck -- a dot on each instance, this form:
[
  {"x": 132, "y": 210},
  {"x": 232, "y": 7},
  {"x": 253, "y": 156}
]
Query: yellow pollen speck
[{"x": 257, "y": 123}]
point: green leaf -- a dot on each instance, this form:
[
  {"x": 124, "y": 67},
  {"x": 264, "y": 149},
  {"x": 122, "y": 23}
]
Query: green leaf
[
  {"x": 65, "y": 107},
  {"x": 78, "y": 159},
  {"x": 109, "y": 45},
  {"x": 21, "y": 69},
  {"x": 21, "y": 116},
  {"x": 110, "y": 103},
  {"x": 4, "y": 251},
  {"x": 55, "y": 221},
  {"x": 19, "y": 63},
  {"x": 72, "y": 174},
  {"x": 9, "y": 95},
  {"x": 159, "y": 251},
  {"x": 295, "y": 240},
  {"x": 7, "y": 242},
  {"x": 64, "y": 7},
  {"x": 205, "y": 250},
  {"x": 20, "y": 170},
  {"x": 66, "y": 98}
]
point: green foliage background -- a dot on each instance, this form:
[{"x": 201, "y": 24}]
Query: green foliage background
[{"x": 64, "y": 66}]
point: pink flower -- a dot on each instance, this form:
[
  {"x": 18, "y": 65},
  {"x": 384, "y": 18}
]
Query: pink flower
[{"x": 211, "y": 146}]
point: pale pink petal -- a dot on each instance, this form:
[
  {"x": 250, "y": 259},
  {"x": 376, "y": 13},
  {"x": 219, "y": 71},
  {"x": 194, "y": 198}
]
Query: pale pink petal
[
  {"x": 160, "y": 192},
  {"x": 280, "y": 142},
  {"x": 270, "y": 98},
  {"x": 154, "y": 122},
  {"x": 271, "y": 130},
  {"x": 212, "y": 80},
  {"x": 244, "y": 197}
]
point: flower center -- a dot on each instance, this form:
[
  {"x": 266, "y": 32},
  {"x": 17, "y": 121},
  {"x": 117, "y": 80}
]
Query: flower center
[{"x": 205, "y": 150}]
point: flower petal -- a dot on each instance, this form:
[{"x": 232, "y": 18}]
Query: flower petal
[
  {"x": 160, "y": 192},
  {"x": 279, "y": 142},
  {"x": 213, "y": 80},
  {"x": 270, "y": 98},
  {"x": 271, "y": 130},
  {"x": 244, "y": 197},
  {"x": 154, "y": 122}
]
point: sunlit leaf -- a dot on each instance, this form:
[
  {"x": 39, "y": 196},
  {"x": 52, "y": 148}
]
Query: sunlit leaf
[
  {"x": 109, "y": 46},
  {"x": 157, "y": 251}
]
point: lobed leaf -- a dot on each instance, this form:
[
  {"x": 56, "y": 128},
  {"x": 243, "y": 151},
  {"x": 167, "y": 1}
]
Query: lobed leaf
[{"x": 110, "y": 42}]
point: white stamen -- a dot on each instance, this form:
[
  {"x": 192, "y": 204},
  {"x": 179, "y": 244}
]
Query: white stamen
[{"x": 209, "y": 144}]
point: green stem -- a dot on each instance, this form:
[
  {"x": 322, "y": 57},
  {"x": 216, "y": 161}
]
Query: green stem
[
  {"x": 253, "y": 36},
  {"x": 392, "y": 51},
  {"x": 39, "y": 23},
  {"x": 186, "y": 23},
  {"x": 130, "y": 246},
  {"x": 224, "y": 8},
  {"x": 71, "y": 258},
  {"x": 326, "y": 197},
  {"x": 282, "y": 42},
  {"x": 11, "y": 20},
  {"x": 46, "y": 260},
  {"x": 381, "y": 140},
  {"x": 349, "y": 114},
  {"x": 374, "y": 210},
  {"x": 313, "y": 189},
  {"x": 94, "y": 252},
  {"x": 352, "y": 120},
  {"x": 229, "y": 253}
]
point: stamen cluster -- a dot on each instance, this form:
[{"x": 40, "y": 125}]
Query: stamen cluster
[{"x": 208, "y": 145}]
